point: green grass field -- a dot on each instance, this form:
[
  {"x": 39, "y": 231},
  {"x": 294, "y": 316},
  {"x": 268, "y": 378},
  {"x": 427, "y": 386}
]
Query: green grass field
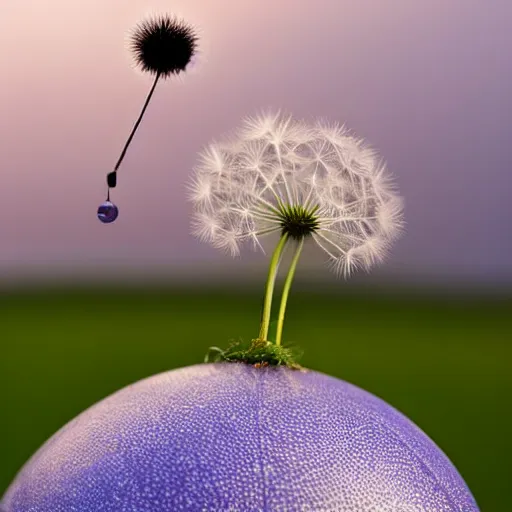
[{"x": 445, "y": 363}]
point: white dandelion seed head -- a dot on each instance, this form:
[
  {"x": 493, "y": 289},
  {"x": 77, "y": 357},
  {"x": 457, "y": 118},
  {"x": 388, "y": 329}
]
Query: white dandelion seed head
[{"x": 318, "y": 181}]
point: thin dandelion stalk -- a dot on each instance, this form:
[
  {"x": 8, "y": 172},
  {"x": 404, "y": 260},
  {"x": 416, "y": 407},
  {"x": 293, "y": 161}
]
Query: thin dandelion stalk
[
  {"x": 269, "y": 287},
  {"x": 286, "y": 291},
  {"x": 137, "y": 123}
]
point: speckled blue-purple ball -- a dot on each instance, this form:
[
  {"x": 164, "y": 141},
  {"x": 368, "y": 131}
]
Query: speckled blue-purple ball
[
  {"x": 107, "y": 212},
  {"x": 231, "y": 437}
]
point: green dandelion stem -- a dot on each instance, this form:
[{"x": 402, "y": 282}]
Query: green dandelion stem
[
  {"x": 286, "y": 291},
  {"x": 269, "y": 287},
  {"x": 137, "y": 122}
]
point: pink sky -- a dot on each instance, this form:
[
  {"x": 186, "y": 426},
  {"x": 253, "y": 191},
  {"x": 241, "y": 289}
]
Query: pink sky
[{"x": 427, "y": 82}]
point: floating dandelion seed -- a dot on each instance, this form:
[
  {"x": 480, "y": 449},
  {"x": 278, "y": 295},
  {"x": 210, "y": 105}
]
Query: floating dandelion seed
[
  {"x": 163, "y": 46},
  {"x": 318, "y": 182}
]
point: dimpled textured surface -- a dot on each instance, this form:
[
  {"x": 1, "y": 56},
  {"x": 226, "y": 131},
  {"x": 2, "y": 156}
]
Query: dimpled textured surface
[{"x": 231, "y": 437}]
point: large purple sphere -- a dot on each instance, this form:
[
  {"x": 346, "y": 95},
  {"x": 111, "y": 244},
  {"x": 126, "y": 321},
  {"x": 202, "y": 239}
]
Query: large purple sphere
[{"x": 231, "y": 437}]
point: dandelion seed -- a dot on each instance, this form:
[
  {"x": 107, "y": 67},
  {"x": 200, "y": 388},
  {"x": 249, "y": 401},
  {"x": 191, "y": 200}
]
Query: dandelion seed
[
  {"x": 163, "y": 46},
  {"x": 303, "y": 181}
]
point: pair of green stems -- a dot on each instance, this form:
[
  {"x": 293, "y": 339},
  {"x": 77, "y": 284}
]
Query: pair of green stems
[{"x": 269, "y": 288}]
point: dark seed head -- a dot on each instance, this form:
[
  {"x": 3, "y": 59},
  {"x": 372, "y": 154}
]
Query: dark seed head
[
  {"x": 298, "y": 221},
  {"x": 164, "y": 45}
]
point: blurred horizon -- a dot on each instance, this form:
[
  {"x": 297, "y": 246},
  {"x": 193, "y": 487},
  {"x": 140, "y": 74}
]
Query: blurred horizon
[{"x": 218, "y": 277}]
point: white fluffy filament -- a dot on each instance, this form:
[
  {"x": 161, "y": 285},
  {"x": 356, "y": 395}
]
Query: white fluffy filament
[{"x": 240, "y": 184}]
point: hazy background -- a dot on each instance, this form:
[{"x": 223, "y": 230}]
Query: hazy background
[{"x": 427, "y": 82}]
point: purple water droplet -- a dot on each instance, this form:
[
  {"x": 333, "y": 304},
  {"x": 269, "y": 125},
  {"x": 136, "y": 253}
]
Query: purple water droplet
[{"x": 107, "y": 212}]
